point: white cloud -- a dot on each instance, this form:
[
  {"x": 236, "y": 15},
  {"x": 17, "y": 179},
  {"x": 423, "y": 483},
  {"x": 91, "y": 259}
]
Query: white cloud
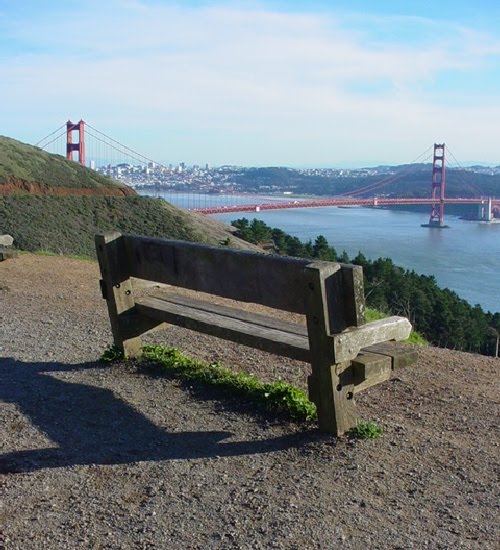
[{"x": 309, "y": 87}]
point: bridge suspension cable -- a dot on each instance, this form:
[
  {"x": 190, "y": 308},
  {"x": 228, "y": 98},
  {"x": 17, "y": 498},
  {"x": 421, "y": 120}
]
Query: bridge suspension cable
[
  {"x": 43, "y": 143},
  {"x": 468, "y": 184},
  {"x": 117, "y": 146},
  {"x": 391, "y": 178}
]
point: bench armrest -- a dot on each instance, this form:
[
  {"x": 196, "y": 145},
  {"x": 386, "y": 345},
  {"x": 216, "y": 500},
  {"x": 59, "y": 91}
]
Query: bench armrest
[{"x": 347, "y": 344}]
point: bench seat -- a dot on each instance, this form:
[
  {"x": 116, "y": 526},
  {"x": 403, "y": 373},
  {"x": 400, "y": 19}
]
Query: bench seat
[
  {"x": 372, "y": 365},
  {"x": 257, "y": 331}
]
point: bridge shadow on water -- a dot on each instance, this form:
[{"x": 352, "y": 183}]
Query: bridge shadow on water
[{"x": 91, "y": 425}]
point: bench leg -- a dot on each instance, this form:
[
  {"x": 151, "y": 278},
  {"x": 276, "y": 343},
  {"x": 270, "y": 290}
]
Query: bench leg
[
  {"x": 129, "y": 344},
  {"x": 331, "y": 388},
  {"x": 117, "y": 290},
  {"x": 331, "y": 384},
  {"x": 130, "y": 348}
]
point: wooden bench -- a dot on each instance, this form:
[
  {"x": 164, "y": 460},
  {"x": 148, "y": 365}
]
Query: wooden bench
[{"x": 346, "y": 355}]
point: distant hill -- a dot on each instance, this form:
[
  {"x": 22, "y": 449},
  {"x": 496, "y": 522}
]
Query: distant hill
[
  {"x": 50, "y": 203},
  {"x": 400, "y": 181}
]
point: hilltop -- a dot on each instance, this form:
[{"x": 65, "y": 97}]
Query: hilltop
[
  {"x": 120, "y": 457},
  {"x": 27, "y": 169},
  {"x": 50, "y": 203}
]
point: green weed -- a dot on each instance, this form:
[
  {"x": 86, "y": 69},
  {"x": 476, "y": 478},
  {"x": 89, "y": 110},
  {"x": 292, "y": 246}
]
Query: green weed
[
  {"x": 274, "y": 396},
  {"x": 367, "y": 430},
  {"x": 112, "y": 355},
  {"x": 417, "y": 339},
  {"x": 67, "y": 225},
  {"x": 374, "y": 315},
  {"x": 43, "y": 252}
]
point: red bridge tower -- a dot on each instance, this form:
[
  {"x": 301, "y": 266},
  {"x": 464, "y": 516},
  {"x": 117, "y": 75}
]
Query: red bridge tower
[
  {"x": 438, "y": 184},
  {"x": 80, "y": 145}
]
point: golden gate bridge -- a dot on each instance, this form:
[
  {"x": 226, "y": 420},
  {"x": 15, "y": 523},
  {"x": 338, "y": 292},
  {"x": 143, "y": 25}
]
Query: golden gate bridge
[{"x": 106, "y": 151}]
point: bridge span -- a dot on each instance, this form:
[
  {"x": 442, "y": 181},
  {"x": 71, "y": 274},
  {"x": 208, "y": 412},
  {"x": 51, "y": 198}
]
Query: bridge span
[
  {"x": 437, "y": 201},
  {"x": 341, "y": 201}
]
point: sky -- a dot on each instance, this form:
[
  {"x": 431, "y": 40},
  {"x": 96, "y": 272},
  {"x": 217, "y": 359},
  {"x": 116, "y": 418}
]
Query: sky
[{"x": 258, "y": 83}]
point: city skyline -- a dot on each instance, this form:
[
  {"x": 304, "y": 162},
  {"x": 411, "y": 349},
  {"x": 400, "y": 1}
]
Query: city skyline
[{"x": 258, "y": 83}]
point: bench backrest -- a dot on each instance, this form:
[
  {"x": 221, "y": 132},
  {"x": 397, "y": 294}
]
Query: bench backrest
[{"x": 279, "y": 282}]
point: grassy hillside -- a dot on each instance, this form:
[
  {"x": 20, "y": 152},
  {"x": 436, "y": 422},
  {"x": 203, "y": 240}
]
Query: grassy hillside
[
  {"x": 20, "y": 161},
  {"x": 67, "y": 225}
]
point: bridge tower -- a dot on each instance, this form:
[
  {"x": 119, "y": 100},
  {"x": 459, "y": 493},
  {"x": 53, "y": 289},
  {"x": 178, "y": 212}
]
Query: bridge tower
[
  {"x": 438, "y": 184},
  {"x": 80, "y": 145},
  {"x": 485, "y": 211}
]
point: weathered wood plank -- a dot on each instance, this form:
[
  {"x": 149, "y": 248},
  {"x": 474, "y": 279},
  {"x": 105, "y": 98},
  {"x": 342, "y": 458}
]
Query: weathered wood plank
[
  {"x": 334, "y": 299},
  {"x": 349, "y": 343},
  {"x": 370, "y": 369},
  {"x": 344, "y": 296},
  {"x": 250, "y": 317},
  {"x": 274, "y": 281},
  {"x": 346, "y": 355},
  {"x": 133, "y": 325},
  {"x": 402, "y": 355},
  {"x": 226, "y": 326},
  {"x": 354, "y": 295}
]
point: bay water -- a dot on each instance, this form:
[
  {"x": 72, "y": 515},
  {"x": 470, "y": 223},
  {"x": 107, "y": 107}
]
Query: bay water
[{"x": 464, "y": 257}]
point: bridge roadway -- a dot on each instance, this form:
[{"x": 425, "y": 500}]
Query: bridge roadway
[{"x": 318, "y": 203}]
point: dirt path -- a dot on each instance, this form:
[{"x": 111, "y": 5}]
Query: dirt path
[{"x": 112, "y": 457}]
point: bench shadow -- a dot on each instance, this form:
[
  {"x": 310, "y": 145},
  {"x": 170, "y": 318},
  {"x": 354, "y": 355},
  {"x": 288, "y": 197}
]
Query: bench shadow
[{"x": 91, "y": 425}]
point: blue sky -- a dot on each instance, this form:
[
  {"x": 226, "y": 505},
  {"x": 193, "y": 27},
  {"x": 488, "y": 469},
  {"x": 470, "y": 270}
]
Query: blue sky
[{"x": 293, "y": 83}]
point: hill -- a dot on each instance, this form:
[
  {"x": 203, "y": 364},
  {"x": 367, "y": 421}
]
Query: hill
[
  {"x": 27, "y": 169},
  {"x": 50, "y": 203}
]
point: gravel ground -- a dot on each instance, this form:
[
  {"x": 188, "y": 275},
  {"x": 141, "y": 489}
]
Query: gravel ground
[{"x": 113, "y": 457}]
